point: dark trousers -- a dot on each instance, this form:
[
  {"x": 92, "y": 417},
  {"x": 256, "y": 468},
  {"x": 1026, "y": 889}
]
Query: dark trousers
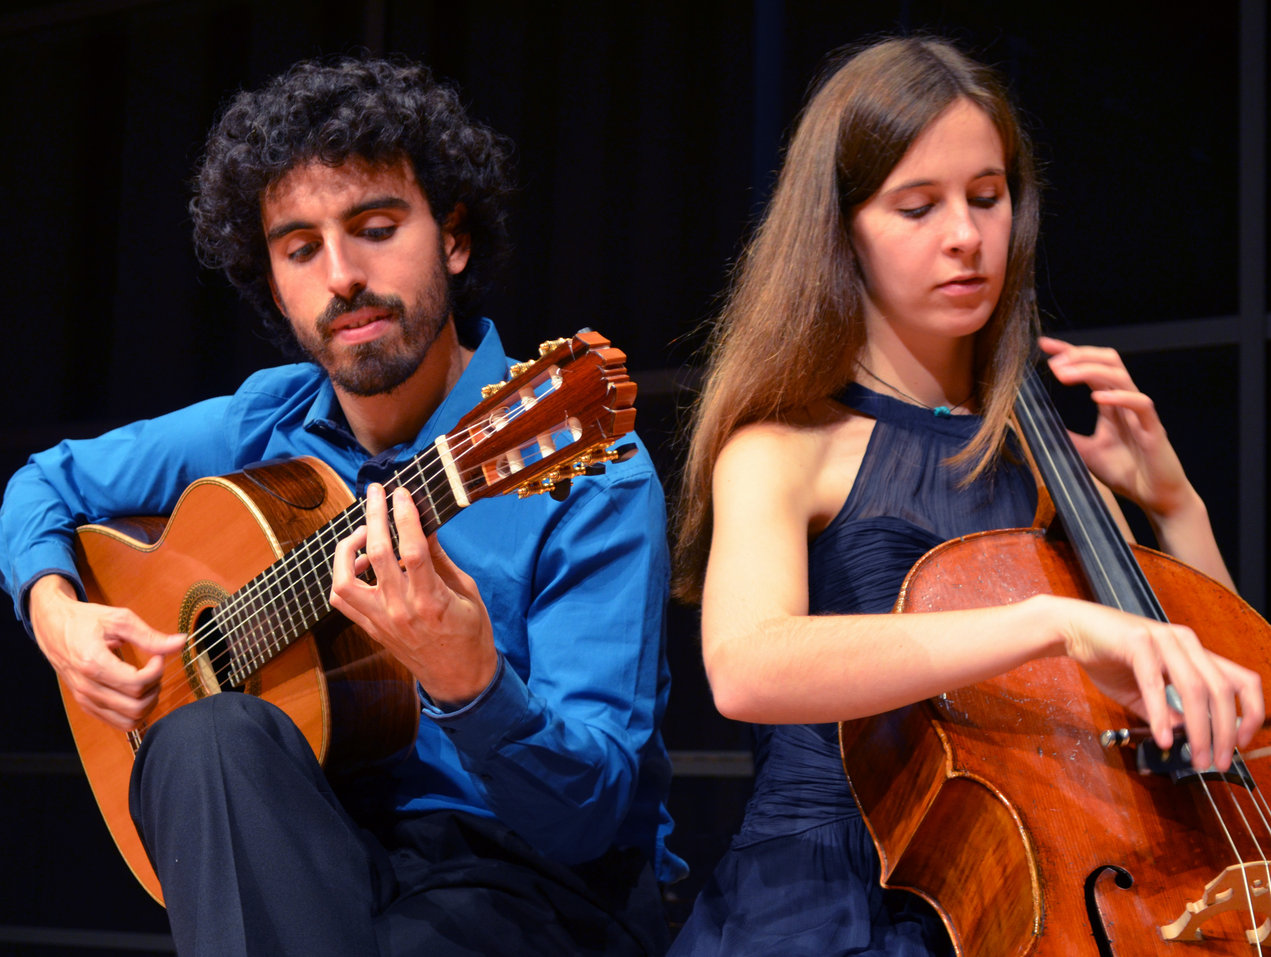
[{"x": 257, "y": 855}]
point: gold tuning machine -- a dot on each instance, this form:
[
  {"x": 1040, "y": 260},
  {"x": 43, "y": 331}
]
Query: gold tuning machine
[
  {"x": 591, "y": 462},
  {"x": 520, "y": 368},
  {"x": 549, "y": 345}
]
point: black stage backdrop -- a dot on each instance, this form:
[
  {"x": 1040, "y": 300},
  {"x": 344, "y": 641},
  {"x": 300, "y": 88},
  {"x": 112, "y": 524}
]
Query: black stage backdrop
[{"x": 647, "y": 137}]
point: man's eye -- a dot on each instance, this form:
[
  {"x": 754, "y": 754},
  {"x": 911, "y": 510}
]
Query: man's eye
[
  {"x": 379, "y": 233},
  {"x": 303, "y": 253}
]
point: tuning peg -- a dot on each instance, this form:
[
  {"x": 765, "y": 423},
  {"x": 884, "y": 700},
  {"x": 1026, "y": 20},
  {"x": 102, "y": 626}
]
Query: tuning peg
[
  {"x": 489, "y": 390},
  {"x": 548, "y": 483},
  {"x": 546, "y": 347},
  {"x": 560, "y": 490}
]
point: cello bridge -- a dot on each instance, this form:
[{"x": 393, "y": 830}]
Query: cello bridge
[{"x": 1240, "y": 887}]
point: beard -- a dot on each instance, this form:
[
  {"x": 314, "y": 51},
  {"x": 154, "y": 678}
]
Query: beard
[{"x": 380, "y": 366}]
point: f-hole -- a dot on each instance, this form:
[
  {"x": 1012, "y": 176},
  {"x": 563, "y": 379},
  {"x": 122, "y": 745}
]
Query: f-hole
[{"x": 1093, "y": 914}]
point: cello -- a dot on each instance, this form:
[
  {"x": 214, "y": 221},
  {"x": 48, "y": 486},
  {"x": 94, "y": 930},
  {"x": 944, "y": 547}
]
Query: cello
[{"x": 1030, "y": 810}]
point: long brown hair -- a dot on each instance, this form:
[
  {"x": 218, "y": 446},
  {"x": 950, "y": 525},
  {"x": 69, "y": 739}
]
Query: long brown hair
[{"x": 792, "y": 327}]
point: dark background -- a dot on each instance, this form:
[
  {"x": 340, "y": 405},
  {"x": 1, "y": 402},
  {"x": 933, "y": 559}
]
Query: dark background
[{"x": 647, "y": 137}]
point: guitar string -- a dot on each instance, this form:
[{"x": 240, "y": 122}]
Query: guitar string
[
  {"x": 245, "y": 617},
  {"x": 1045, "y": 450},
  {"x": 252, "y": 604},
  {"x": 249, "y": 602},
  {"x": 266, "y": 594},
  {"x": 267, "y": 583},
  {"x": 321, "y": 540}
]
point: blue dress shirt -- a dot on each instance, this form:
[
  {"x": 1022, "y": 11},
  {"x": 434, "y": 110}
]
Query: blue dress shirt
[{"x": 564, "y": 744}]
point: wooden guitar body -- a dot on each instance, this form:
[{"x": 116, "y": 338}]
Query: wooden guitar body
[
  {"x": 999, "y": 803},
  {"x": 352, "y": 700}
]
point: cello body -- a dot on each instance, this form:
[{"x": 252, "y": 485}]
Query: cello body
[{"x": 1000, "y": 804}]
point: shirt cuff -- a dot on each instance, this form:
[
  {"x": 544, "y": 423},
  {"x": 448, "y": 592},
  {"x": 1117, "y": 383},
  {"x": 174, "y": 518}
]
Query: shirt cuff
[
  {"x": 23, "y": 603},
  {"x": 483, "y": 722}
]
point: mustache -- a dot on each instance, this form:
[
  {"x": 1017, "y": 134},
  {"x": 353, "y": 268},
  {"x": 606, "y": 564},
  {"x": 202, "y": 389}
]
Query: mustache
[{"x": 362, "y": 299}]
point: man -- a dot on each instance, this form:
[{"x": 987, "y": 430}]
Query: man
[{"x": 360, "y": 201}]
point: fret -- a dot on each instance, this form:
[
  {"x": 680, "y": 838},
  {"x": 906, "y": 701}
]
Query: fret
[
  {"x": 238, "y": 641},
  {"x": 290, "y": 597},
  {"x": 280, "y": 616},
  {"x": 308, "y": 586},
  {"x": 431, "y": 514},
  {"x": 314, "y": 594}
]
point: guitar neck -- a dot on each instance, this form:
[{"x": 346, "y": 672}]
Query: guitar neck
[
  {"x": 290, "y": 597},
  {"x": 534, "y": 433}
]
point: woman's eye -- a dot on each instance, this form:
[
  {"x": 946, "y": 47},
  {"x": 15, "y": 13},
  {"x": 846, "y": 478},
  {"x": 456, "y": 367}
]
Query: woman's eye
[
  {"x": 915, "y": 212},
  {"x": 984, "y": 202}
]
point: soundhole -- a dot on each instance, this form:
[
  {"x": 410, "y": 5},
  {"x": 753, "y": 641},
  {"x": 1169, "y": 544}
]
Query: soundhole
[{"x": 207, "y": 658}]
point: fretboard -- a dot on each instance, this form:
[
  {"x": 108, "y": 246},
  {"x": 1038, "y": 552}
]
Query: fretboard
[{"x": 290, "y": 597}]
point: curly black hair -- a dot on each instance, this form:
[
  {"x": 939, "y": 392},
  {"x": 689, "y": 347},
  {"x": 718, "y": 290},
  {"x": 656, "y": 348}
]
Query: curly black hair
[{"x": 373, "y": 109}]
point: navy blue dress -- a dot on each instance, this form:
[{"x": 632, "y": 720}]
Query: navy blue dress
[{"x": 801, "y": 876}]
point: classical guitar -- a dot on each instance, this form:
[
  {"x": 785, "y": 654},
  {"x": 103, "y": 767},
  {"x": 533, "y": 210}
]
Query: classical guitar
[{"x": 243, "y": 567}]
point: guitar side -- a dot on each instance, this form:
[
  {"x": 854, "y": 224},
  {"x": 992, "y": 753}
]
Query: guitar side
[{"x": 351, "y": 700}]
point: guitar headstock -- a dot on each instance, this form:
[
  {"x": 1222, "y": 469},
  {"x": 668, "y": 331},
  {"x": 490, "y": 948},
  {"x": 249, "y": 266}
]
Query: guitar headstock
[{"x": 552, "y": 421}]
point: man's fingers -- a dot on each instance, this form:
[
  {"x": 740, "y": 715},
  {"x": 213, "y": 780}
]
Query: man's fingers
[
  {"x": 157, "y": 643},
  {"x": 412, "y": 543}
]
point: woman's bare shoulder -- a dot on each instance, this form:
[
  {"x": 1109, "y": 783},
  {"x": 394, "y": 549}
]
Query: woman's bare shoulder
[
  {"x": 807, "y": 429},
  {"x": 812, "y": 454}
]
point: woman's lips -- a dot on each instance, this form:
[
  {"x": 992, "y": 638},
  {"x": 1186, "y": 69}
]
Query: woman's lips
[{"x": 963, "y": 286}]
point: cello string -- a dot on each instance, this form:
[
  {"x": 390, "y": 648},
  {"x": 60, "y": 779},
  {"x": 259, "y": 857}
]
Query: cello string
[
  {"x": 1175, "y": 701},
  {"x": 1260, "y": 805},
  {"x": 1068, "y": 477},
  {"x": 1066, "y": 480},
  {"x": 1258, "y": 802},
  {"x": 1244, "y": 876}
]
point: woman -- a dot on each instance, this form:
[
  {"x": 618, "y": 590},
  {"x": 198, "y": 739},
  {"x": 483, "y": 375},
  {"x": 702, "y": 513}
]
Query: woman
[{"x": 855, "y": 413}]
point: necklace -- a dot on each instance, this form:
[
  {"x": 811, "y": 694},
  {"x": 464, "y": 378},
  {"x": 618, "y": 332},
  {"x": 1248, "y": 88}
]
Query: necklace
[{"x": 940, "y": 411}]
